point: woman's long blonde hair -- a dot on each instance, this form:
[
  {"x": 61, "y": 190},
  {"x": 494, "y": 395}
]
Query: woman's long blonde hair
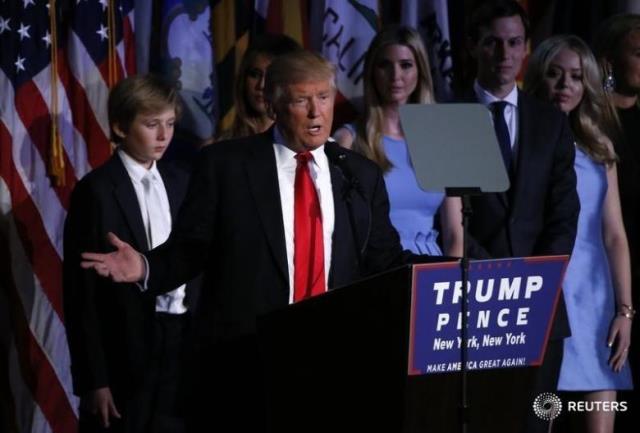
[
  {"x": 368, "y": 140},
  {"x": 594, "y": 117}
]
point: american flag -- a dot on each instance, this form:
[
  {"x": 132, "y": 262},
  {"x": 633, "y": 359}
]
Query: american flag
[{"x": 44, "y": 94}]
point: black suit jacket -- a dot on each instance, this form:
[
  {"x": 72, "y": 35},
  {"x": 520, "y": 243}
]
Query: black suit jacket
[
  {"x": 231, "y": 227},
  {"x": 110, "y": 326},
  {"x": 538, "y": 215}
]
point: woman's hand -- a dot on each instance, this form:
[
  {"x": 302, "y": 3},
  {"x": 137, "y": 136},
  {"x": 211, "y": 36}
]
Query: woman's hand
[{"x": 619, "y": 341}]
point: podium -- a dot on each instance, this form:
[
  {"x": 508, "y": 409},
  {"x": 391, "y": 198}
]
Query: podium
[{"x": 339, "y": 362}]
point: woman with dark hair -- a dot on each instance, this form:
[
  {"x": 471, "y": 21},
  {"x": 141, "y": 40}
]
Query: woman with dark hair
[
  {"x": 250, "y": 111},
  {"x": 597, "y": 284},
  {"x": 616, "y": 46},
  {"x": 396, "y": 72}
]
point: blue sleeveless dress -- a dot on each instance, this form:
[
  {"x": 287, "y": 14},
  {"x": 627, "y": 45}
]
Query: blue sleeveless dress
[
  {"x": 588, "y": 292},
  {"x": 412, "y": 210}
]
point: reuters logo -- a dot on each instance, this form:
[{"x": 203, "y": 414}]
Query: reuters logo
[{"x": 547, "y": 406}]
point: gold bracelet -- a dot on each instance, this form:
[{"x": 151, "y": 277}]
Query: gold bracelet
[{"x": 627, "y": 314}]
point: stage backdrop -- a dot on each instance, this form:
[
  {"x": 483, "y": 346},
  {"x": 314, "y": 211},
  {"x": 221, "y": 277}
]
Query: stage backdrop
[{"x": 58, "y": 60}]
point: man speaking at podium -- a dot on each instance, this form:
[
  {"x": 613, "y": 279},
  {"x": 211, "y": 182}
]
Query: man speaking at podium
[{"x": 270, "y": 219}]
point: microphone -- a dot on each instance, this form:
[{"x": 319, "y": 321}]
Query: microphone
[{"x": 338, "y": 157}]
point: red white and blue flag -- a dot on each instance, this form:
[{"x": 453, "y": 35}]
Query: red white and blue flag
[
  {"x": 431, "y": 19},
  {"x": 342, "y": 31},
  {"x": 55, "y": 76}
]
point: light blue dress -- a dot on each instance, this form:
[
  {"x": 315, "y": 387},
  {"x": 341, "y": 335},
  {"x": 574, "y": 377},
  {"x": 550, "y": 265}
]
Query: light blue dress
[
  {"x": 588, "y": 292},
  {"x": 412, "y": 210}
]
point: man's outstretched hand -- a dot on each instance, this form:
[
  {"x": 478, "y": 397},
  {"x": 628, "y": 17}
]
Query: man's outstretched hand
[{"x": 125, "y": 265}]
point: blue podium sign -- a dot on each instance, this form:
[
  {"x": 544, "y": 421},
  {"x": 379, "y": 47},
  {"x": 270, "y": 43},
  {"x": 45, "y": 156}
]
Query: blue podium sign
[{"x": 511, "y": 304}]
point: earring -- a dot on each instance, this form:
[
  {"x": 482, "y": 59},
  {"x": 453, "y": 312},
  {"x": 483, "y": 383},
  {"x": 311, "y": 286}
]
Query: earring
[{"x": 609, "y": 83}]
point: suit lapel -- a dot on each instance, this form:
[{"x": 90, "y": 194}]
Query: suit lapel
[
  {"x": 503, "y": 197},
  {"x": 341, "y": 220},
  {"x": 263, "y": 182},
  {"x": 525, "y": 134},
  {"x": 172, "y": 188},
  {"x": 127, "y": 201}
]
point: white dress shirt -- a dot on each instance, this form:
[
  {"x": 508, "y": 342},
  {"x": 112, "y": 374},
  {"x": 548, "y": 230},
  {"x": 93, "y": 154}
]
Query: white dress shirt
[
  {"x": 286, "y": 166},
  {"x": 510, "y": 111},
  {"x": 160, "y": 217}
]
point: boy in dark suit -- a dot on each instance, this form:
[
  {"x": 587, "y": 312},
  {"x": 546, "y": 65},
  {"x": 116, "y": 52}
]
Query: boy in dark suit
[{"x": 127, "y": 346}]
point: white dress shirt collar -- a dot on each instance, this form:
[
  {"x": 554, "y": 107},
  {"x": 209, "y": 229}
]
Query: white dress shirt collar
[
  {"x": 510, "y": 112},
  {"x": 485, "y": 97},
  {"x": 286, "y": 156},
  {"x": 136, "y": 170}
]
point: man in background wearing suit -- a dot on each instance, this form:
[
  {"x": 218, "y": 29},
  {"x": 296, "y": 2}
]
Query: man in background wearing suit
[
  {"x": 539, "y": 213},
  {"x": 268, "y": 218},
  {"x": 127, "y": 346}
]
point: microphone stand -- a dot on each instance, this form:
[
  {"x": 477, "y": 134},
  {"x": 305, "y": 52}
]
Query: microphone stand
[
  {"x": 351, "y": 184},
  {"x": 465, "y": 196}
]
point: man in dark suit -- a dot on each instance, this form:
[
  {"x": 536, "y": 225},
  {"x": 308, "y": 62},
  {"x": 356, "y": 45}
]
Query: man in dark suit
[
  {"x": 242, "y": 222},
  {"x": 539, "y": 213},
  {"x": 127, "y": 346}
]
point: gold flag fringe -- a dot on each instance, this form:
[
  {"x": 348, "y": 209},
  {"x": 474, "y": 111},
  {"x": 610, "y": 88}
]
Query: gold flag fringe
[{"x": 56, "y": 155}]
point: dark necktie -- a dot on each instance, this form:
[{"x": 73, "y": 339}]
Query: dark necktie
[
  {"x": 308, "y": 255},
  {"x": 502, "y": 132}
]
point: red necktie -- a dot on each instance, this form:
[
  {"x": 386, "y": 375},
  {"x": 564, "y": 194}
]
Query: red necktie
[{"x": 308, "y": 252}]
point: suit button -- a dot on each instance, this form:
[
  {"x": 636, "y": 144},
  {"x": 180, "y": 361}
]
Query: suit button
[{"x": 512, "y": 220}]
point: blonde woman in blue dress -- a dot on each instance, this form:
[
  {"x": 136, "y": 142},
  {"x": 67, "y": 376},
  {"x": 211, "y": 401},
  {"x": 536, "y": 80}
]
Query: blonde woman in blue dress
[
  {"x": 396, "y": 72},
  {"x": 597, "y": 285}
]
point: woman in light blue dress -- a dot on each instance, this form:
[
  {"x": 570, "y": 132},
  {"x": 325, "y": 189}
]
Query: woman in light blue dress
[
  {"x": 597, "y": 285},
  {"x": 396, "y": 72}
]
